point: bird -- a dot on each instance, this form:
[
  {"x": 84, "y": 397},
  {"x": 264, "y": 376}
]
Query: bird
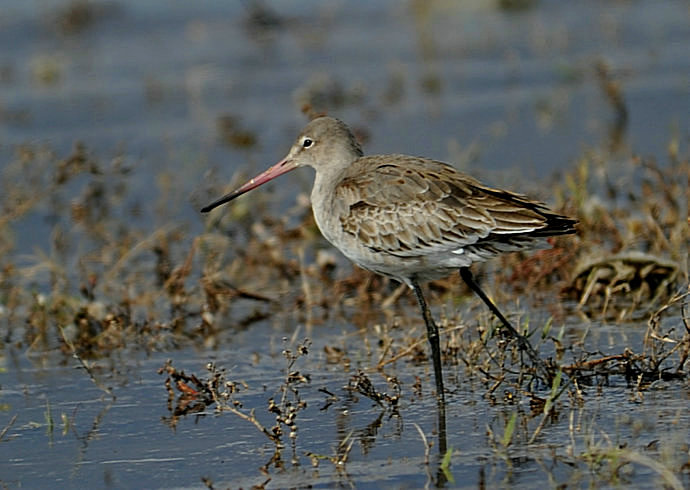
[{"x": 410, "y": 218}]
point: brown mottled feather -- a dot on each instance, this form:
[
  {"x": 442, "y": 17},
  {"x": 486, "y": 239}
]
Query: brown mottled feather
[{"x": 410, "y": 206}]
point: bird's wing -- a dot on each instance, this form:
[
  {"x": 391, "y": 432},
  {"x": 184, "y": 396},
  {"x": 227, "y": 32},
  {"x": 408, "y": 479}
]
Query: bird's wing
[{"x": 410, "y": 206}]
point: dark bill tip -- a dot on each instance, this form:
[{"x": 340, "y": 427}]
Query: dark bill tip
[{"x": 218, "y": 202}]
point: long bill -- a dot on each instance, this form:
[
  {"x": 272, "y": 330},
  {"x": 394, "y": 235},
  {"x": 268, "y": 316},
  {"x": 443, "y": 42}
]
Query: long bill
[{"x": 276, "y": 170}]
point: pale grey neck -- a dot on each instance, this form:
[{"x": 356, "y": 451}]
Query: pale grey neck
[{"x": 329, "y": 173}]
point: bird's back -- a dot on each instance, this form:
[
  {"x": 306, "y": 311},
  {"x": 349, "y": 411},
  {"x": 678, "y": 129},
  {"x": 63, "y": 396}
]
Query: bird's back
[{"x": 405, "y": 216}]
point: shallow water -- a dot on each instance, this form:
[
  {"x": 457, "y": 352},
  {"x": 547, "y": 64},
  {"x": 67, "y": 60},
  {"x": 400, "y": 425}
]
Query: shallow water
[
  {"x": 510, "y": 96},
  {"x": 129, "y": 441}
]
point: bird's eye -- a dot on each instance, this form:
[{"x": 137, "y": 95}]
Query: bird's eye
[{"x": 307, "y": 143}]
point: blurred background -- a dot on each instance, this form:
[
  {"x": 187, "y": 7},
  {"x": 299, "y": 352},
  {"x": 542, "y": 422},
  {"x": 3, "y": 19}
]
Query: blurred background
[{"x": 188, "y": 93}]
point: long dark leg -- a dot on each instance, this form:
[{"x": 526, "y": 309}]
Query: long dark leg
[
  {"x": 432, "y": 335},
  {"x": 523, "y": 343}
]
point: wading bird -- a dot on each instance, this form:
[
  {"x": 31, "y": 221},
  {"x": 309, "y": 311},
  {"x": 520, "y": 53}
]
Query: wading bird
[{"x": 411, "y": 218}]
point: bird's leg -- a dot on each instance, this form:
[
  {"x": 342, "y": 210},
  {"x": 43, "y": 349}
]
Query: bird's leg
[
  {"x": 432, "y": 335},
  {"x": 523, "y": 343}
]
